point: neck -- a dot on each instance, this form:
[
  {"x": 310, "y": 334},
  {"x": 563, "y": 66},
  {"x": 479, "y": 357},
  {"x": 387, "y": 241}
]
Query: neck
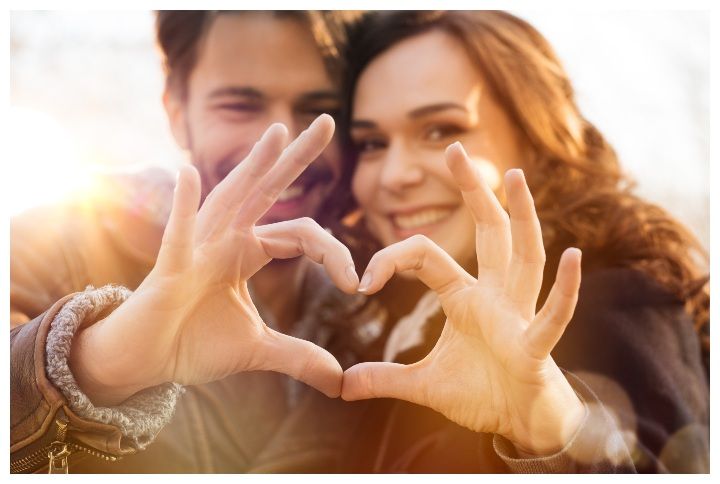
[{"x": 277, "y": 290}]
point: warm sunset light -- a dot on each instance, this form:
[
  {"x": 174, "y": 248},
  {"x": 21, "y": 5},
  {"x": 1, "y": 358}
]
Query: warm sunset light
[{"x": 43, "y": 162}]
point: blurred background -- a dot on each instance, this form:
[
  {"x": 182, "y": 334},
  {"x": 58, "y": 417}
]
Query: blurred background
[{"x": 86, "y": 87}]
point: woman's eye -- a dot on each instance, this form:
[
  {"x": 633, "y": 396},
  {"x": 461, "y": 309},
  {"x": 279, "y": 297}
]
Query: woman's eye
[
  {"x": 368, "y": 146},
  {"x": 441, "y": 132}
]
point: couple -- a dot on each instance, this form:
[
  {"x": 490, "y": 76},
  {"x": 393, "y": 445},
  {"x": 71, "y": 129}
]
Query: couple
[{"x": 447, "y": 122}]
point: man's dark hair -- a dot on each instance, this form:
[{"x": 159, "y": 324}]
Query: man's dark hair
[{"x": 180, "y": 32}]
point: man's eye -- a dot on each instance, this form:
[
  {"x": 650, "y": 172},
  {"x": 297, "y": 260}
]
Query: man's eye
[
  {"x": 314, "y": 112},
  {"x": 240, "y": 107},
  {"x": 440, "y": 132}
]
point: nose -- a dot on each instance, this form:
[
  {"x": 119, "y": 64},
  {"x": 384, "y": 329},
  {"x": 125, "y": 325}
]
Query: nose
[{"x": 401, "y": 168}]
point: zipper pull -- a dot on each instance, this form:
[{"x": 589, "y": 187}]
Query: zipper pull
[
  {"x": 59, "y": 453},
  {"x": 58, "y": 457}
]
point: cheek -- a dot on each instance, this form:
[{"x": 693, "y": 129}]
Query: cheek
[
  {"x": 461, "y": 244},
  {"x": 331, "y": 156},
  {"x": 490, "y": 173},
  {"x": 220, "y": 146},
  {"x": 364, "y": 184}
]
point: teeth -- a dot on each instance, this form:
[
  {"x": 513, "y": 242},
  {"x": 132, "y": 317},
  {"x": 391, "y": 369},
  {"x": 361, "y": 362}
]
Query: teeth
[
  {"x": 291, "y": 193},
  {"x": 420, "y": 219}
]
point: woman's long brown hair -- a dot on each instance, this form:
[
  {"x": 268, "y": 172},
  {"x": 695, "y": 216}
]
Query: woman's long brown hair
[{"x": 582, "y": 197}]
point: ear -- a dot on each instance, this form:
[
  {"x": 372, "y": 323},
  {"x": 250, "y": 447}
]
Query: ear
[{"x": 175, "y": 110}]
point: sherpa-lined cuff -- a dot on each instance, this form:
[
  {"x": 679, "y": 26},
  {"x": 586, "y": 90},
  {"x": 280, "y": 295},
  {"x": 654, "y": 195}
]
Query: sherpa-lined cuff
[
  {"x": 141, "y": 416},
  {"x": 596, "y": 447}
]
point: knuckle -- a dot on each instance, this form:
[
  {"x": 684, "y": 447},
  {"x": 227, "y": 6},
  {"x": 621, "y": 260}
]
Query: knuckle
[
  {"x": 307, "y": 224},
  {"x": 368, "y": 381},
  {"x": 421, "y": 240},
  {"x": 310, "y": 363},
  {"x": 504, "y": 219}
]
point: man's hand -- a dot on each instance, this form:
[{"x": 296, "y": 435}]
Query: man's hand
[
  {"x": 491, "y": 369},
  {"x": 192, "y": 320}
]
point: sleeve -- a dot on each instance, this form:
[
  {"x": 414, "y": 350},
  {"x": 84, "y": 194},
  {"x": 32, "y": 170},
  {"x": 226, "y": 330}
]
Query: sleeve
[
  {"x": 597, "y": 446},
  {"x": 48, "y": 409},
  {"x": 634, "y": 346}
]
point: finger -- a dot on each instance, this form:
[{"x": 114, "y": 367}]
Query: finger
[
  {"x": 293, "y": 161},
  {"x": 421, "y": 256},
  {"x": 525, "y": 272},
  {"x": 222, "y": 204},
  {"x": 492, "y": 226},
  {"x": 301, "y": 360},
  {"x": 292, "y": 238},
  {"x": 383, "y": 380},
  {"x": 550, "y": 323},
  {"x": 177, "y": 242}
]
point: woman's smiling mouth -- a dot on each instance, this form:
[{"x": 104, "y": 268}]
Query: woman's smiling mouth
[{"x": 419, "y": 221}]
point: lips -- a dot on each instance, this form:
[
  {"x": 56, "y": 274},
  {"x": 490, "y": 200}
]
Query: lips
[{"x": 422, "y": 220}]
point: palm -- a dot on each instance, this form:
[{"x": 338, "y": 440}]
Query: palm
[
  {"x": 491, "y": 357},
  {"x": 491, "y": 369},
  {"x": 192, "y": 319}
]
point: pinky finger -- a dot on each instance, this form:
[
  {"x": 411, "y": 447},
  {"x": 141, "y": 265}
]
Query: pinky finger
[
  {"x": 550, "y": 323},
  {"x": 177, "y": 242}
]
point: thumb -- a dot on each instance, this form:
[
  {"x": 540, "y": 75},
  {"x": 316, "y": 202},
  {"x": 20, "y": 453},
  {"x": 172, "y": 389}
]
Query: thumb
[
  {"x": 302, "y": 360},
  {"x": 383, "y": 380}
]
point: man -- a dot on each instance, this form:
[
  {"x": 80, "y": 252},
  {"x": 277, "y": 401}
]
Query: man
[{"x": 229, "y": 77}]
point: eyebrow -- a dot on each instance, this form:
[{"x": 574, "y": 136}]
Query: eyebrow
[
  {"x": 324, "y": 95},
  {"x": 414, "y": 114},
  {"x": 256, "y": 94},
  {"x": 236, "y": 91},
  {"x": 433, "y": 108}
]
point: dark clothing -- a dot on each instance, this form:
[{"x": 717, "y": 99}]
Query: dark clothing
[{"x": 630, "y": 341}]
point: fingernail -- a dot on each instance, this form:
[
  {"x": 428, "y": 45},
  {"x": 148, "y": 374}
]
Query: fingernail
[
  {"x": 351, "y": 275},
  {"x": 365, "y": 283},
  {"x": 458, "y": 146},
  {"x": 570, "y": 251}
]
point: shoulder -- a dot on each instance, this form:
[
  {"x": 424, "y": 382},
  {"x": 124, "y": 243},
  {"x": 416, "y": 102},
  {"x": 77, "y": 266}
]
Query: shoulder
[
  {"x": 622, "y": 287},
  {"x": 627, "y": 325},
  {"x": 629, "y": 308},
  {"x": 126, "y": 210}
]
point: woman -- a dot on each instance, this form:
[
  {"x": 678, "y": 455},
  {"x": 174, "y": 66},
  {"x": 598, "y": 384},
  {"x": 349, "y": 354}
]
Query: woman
[{"x": 420, "y": 81}]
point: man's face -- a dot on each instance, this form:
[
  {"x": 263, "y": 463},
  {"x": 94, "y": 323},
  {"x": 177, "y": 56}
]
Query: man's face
[{"x": 253, "y": 70}]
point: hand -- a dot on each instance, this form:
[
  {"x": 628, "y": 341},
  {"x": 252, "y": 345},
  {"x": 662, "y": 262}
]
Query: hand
[
  {"x": 491, "y": 369},
  {"x": 192, "y": 320}
]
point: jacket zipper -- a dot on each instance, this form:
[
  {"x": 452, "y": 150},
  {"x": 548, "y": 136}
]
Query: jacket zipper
[{"x": 56, "y": 454}]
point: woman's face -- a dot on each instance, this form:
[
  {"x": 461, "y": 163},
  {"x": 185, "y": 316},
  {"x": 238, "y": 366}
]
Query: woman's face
[{"x": 411, "y": 102}]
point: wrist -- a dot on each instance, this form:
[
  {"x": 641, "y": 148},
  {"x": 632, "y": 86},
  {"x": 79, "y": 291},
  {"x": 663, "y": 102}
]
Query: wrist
[
  {"x": 100, "y": 376},
  {"x": 554, "y": 420}
]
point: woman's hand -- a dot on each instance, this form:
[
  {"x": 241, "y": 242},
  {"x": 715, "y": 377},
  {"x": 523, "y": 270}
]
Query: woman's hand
[
  {"x": 491, "y": 369},
  {"x": 192, "y": 320}
]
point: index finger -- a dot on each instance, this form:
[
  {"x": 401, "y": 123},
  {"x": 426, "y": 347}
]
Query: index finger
[
  {"x": 492, "y": 225},
  {"x": 293, "y": 161},
  {"x": 421, "y": 256}
]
